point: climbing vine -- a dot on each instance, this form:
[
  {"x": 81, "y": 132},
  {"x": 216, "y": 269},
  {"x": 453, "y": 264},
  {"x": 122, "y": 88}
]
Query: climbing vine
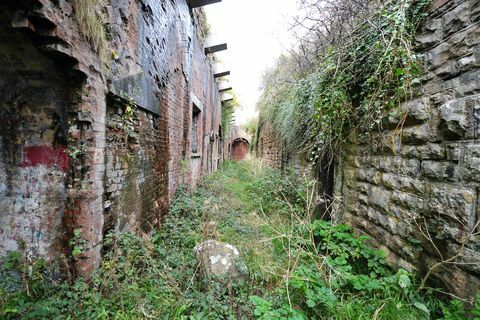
[{"x": 354, "y": 83}]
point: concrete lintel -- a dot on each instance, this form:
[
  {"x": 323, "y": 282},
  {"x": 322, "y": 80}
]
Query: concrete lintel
[
  {"x": 216, "y": 48},
  {"x": 225, "y": 89},
  {"x": 200, "y": 3},
  {"x": 221, "y": 74},
  {"x": 196, "y": 101}
]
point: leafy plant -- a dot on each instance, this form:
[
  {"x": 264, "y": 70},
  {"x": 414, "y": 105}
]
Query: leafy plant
[
  {"x": 354, "y": 83},
  {"x": 299, "y": 268}
]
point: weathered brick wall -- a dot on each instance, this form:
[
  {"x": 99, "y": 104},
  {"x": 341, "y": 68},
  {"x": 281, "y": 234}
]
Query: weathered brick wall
[
  {"x": 49, "y": 93},
  {"x": 33, "y": 135},
  {"x": 74, "y": 157},
  {"x": 268, "y": 148},
  {"x": 421, "y": 178}
]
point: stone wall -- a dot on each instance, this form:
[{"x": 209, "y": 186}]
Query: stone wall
[
  {"x": 414, "y": 187},
  {"x": 99, "y": 145}
]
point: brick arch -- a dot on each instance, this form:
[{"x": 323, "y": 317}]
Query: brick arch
[{"x": 240, "y": 149}]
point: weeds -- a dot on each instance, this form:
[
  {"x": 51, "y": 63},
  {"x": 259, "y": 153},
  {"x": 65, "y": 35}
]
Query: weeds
[
  {"x": 92, "y": 23},
  {"x": 355, "y": 79},
  {"x": 299, "y": 268}
]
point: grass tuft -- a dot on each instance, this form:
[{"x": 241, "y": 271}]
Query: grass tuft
[{"x": 92, "y": 23}]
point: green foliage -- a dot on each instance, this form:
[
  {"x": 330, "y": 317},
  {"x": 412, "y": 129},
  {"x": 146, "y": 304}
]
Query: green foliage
[
  {"x": 77, "y": 243},
  {"x": 251, "y": 128},
  {"x": 299, "y": 268},
  {"x": 336, "y": 274},
  {"x": 353, "y": 86}
]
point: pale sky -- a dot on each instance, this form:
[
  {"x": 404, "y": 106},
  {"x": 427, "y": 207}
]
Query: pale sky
[{"x": 256, "y": 32}]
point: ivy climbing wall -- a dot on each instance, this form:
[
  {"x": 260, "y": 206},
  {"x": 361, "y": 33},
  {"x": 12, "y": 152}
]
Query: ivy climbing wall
[{"x": 414, "y": 187}]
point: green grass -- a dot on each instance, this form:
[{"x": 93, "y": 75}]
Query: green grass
[{"x": 299, "y": 268}]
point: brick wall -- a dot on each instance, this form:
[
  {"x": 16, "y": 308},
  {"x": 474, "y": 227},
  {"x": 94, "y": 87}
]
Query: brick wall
[
  {"x": 93, "y": 148},
  {"x": 270, "y": 150},
  {"x": 423, "y": 180},
  {"x": 33, "y": 135}
]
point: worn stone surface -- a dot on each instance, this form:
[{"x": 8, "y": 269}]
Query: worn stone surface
[
  {"x": 430, "y": 180},
  {"x": 221, "y": 260},
  {"x": 426, "y": 177}
]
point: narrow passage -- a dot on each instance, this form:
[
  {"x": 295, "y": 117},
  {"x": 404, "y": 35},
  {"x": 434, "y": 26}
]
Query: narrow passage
[{"x": 264, "y": 256}]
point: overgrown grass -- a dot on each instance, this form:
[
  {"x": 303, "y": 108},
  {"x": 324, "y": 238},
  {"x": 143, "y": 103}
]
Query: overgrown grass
[
  {"x": 299, "y": 268},
  {"x": 92, "y": 23}
]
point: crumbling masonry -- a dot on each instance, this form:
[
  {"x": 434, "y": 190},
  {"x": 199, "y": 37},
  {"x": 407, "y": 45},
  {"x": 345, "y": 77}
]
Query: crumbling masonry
[{"x": 95, "y": 143}]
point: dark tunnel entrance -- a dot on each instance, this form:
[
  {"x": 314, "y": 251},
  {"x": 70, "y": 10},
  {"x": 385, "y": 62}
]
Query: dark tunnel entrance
[{"x": 240, "y": 149}]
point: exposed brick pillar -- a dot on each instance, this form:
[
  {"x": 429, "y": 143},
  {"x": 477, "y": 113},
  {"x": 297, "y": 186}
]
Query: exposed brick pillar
[{"x": 87, "y": 177}]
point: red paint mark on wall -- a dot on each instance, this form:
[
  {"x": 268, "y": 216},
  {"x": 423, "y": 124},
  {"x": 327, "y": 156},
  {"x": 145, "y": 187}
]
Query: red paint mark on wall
[{"x": 45, "y": 155}]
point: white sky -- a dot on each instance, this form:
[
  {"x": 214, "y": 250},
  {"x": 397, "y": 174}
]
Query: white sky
[{"x": 257, "y": 33}]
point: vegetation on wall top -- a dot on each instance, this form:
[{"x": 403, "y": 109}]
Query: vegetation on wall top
[
  {"x": 346, "y": 76},
  {"x": 92, "y": 23}
]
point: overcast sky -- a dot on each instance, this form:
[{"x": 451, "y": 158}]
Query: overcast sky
[{"x": 257, "y": 33}]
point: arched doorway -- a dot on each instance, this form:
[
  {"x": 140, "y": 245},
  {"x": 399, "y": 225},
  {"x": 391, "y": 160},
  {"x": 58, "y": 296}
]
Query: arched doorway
[{"x": 240, "y": 149}]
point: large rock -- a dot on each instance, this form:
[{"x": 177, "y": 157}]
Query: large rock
[{"x": 221, "y": 260}]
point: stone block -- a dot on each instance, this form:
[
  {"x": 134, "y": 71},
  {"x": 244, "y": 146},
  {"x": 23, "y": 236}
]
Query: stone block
[
  {"x": 447, "y": 70},
  {"x": 439, "y": 170},
  {"x": 349, "y": 176},
  {"x": 455, "y": 204},
  {"x": 430, "y": 151},
  {"x": 433, "y": 33},
  {"x": 399, "y": 165},
  {"x": 418, "y": 134},
  {"x": 470, "y": 164},
  {"x": 418, "y": 110},
  {"x": 363, "y": 187},
  {"x": 457, "y": 19},
  {"x": 402, "y": 183},
  {"x": 408, "y": 201},
  {"x": 455, "y": 120},
  {"x": 369, "y": 175},
  {"x": 380, "y": 198}
]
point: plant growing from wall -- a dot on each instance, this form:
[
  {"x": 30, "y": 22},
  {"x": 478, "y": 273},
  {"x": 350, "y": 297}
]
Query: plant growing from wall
[
  {"x": 358, "y": 77},
  {"x": 128, "y": 117},
  {"x": 251, "y": 128},
  {"x": 89, "y": 14},
  {"x": 203, "y": 27},
  {"x": 77, "y": 243}
]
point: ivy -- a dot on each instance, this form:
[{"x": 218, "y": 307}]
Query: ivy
[{"x": 352, "y": 87}]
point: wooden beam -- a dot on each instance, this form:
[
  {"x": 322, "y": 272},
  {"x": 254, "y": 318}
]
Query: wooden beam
[
  {"x": 200, "y": 3},
  {"x": 221, "y": 74},
  {"x": 225, "y": 89},
  {"x": 216, "y": 48}
]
